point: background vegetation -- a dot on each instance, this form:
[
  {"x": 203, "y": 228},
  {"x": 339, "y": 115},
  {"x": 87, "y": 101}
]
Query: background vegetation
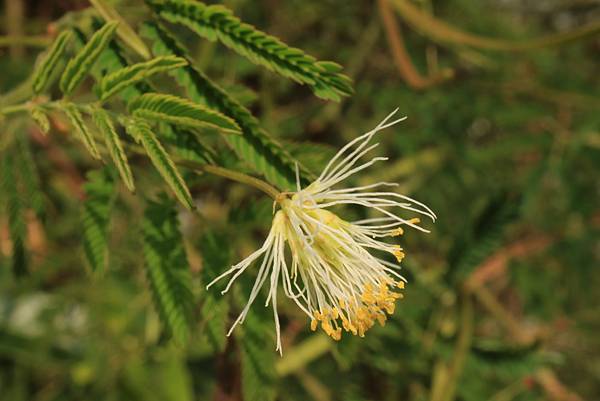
[{"x": 502, "y": 141}]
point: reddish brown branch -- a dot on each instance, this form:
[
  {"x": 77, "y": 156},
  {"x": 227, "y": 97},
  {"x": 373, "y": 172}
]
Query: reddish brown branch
[
  {"x": 495, "y": 266},
  {"x": 402, "y": 59}
]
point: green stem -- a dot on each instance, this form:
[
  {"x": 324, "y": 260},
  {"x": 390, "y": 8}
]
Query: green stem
[
  {"x": 15, "y": 109},
  {"x": 33, "y": 41},
  {"x": 218, "y": 171},
  {"x": 242, "y": 178},
  {"x": 461, "y": 351}
]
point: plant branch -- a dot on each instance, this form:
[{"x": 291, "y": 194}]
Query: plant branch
[
  {"x": 241, "y": 178},
  {"x": 33, "y": 41},
  {"x": 124, "y": 31},
  {"x": 442, "y": 32},
  {"x": 15, "y": 109},
  {"x": 402, "y": 59},
  {"x": 446, "y": 377}
]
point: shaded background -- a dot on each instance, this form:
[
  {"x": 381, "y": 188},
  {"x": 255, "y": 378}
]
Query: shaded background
[{"x": 501, "y": 142}]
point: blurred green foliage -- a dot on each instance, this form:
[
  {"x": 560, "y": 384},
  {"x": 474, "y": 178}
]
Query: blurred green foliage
[{"x": 502, "y": 300}]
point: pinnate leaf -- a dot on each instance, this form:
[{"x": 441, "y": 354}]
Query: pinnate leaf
[
  {"x": 49, "y": 61},
  {"x": 167, "y": 268},
  {"x": 81, "y": 64},
  {"x": 142, "y": 133},
  {"x": 114, "y": 145},
  {"x": 81, "y": 129},
  {"x": 216, "y": 22},
  {"x": 99, "y": 191},
  {"x": 180, "y": 112},
  {"x": 125, "y": 77}
]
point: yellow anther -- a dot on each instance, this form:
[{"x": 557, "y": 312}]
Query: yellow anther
[
  {"x": 326, "y": 326},
  {"x": 361, "y": 330},
  {"x": 337, "y": 334},
  {"x": 398, "y": 254},
  {"x": 414, "y": 220},
  {"x": 368, "y": 298},
  {"x": 358, "y": 315},
  {"x": 398, "y": 231}
]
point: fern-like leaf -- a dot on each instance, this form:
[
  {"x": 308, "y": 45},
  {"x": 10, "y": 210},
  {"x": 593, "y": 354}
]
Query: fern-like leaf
[
  {"x": 216, "y": 22},
  {"x": 100, "y": 194},
  {"x": 254, "y": 146},
  {"x": 142, "y": 133},
  {"x": 186, "y": 145},
  {"x": 180, "y": 112},
  {"x": 167, "y": 268},
  {"x": 215, "y": 309},
  {"x": 124, "y": 31},
  {"x": 81, "y": 129},
  {"x": 49, "y": 62},
  {"x": 41, "y": 119},
  {"x": 15, "y": 212},
  {"x": 258, "y": 365},
  {"x": 123, "y": 78},
  {"x": 80, "y": 65},
  {"x": 28, "y": 173},
  {"x": 111, "y": 60},
  {"x": 487, "y": 238},
  {"x": 113, "y": 143}
]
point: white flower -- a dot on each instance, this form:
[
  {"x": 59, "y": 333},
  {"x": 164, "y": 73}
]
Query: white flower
[{"x": 331, "y": 271}]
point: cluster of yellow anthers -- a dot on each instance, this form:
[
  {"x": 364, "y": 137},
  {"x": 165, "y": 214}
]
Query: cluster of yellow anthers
[
  {"x": 398, "y": 251},
  {"x": 360, "y": 315},
  {"x": 333, "y": 269}
]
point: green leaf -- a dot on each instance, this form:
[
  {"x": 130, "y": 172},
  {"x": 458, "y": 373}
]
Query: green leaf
[
  {"x": 111, "y": 60},
  {"x": 125, "y": 77},
  {"x": 81, "y": 64},
  {"x": 490, "y": 226},
  {"x": 81, "y": 129},
  {"x": 97, "y": 207},
  {"x": 28, "y": 173},
  {"x": 180, "y": 112},
  {"x": 167, "y": 267},
  {"x": 215, "y": 309},
  {"x": 40, "y": 119},
  {"x": 15, "y": 212},
  {"x": 124, "y": 31},
  {"x": 186, "y": 145},
  {"x": 49, "y": 61},
  {"x": 257, "y": 360},
  {"x": 254, "y": 146},
  {"x": 113, "y": 143},
  {"x": 215, "y": 22},
  {"x": 141, "y": 132}
]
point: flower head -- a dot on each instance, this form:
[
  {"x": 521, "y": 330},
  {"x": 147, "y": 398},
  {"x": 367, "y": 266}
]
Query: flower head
[{"x": 334, "y": 269}]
